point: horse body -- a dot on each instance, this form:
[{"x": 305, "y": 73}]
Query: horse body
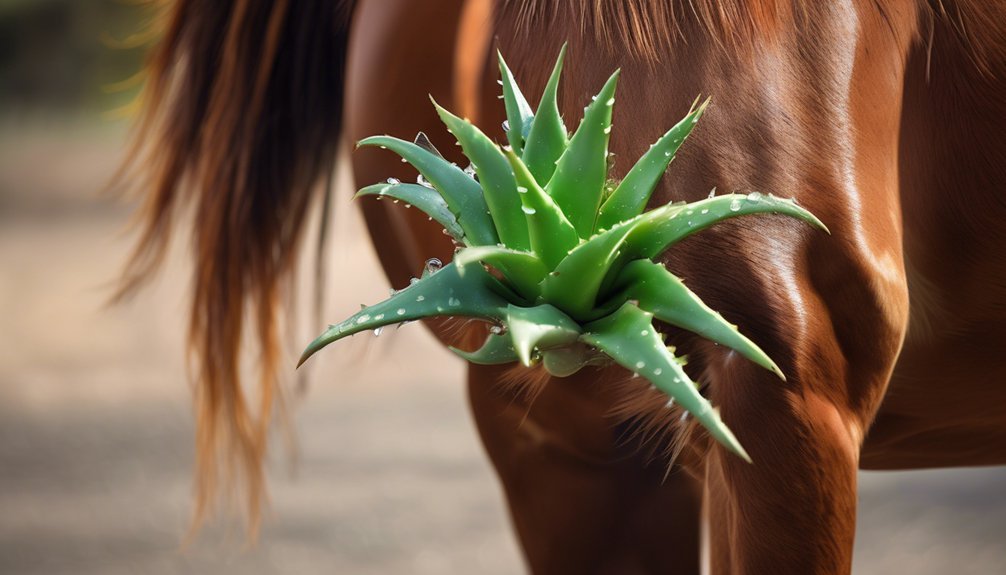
[{"x": 881, "y": 118}]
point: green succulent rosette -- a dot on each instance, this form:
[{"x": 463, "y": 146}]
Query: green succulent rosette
[{"x": 557, "y": 257}]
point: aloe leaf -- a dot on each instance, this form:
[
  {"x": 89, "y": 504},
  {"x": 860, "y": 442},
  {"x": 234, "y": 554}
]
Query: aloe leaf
[
  {"x": 633, "y": 192},
  {"x": 578, "y": 182},
  {"x": 628, "y": 337},
  {"x": 521, "y": 268},
  {"x": 495, "y": 176},
  {"x": 518, "y": 111},
  {"x": 546, "y": 141},
  {"x": 551, "y": 234},
  {"x": 666, "y": 226},
  {"x": 497, "y": 349},
  {"x": 428, "y": 200},
  {"x": 539, "y": 327},
  {"x": 462, "y": 194},
  {"x": 444, "y": 293},
  {"x": 659, "y": 292},
  {"x": 576, "y": 281}
]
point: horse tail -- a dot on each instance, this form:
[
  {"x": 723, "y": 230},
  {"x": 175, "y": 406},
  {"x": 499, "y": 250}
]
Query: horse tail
[{"x": 241, "y": 116}]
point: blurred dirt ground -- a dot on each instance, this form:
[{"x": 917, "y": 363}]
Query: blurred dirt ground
[{"x": 95, "y": 430}]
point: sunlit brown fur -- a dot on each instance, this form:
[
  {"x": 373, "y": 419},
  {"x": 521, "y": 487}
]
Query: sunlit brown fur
[{"x": 898, "y": 106}]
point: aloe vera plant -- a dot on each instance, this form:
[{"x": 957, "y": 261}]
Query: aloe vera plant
[{"x": 574, "y": 252}]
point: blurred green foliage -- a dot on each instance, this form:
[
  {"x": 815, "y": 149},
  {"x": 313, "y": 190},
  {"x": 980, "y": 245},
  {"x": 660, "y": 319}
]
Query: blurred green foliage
[{"x": 61, "y": 55}]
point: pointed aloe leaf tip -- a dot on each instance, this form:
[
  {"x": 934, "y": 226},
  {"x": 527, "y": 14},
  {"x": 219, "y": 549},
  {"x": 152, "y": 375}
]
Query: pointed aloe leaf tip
[
  {"x": 577, "y": 185},
  {"x": 546, "y": 141}
]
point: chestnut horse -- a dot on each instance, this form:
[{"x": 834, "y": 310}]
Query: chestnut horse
[{"x": 884, "y": 117}]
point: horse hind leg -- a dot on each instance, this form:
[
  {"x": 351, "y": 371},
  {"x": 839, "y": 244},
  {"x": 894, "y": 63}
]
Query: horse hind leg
[{"x": 581, "y": 499}]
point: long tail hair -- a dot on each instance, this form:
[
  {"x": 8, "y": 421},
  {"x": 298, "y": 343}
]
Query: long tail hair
[{"x": 241, "y": 115}]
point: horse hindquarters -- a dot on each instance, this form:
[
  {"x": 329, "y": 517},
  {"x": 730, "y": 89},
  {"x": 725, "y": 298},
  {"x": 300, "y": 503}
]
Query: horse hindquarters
[
  {"x": 809, "y": 109},
  {"x": 831, "y": 310}
]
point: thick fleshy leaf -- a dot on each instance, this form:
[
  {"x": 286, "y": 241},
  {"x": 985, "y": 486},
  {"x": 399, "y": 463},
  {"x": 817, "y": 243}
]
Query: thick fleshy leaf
[
  {"x": 551, "y": 234},
  {"x": 575, "y": 282},
  {"x": 630, "y": 197},
  {"x": 443, "y": 293},
  {"x": 546, "y": 141},
  {"x": 425, "y": 199},
  {"x": 668, "y": 225},
  {"x": 539, "y": 327},
  {"x": 497, "y": 349},
  {"x": 578, "y": 182},
  {"x": 628, "y": 337},
  {"x": 523, "y": 269},
  {"x": 518, "y": 111},
  {"x": 495, "y": 176},
  {"x": 462, "y": 194},
  {"x": 659, "y": 292}
]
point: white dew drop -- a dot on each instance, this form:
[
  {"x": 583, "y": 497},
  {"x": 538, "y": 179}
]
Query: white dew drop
[
  {"x": 433, "y": 265},
  {"x": 362, "y": 318},
  {"x": 496, "y": 329},
  {"x": 754, "y": 197},
  {"x": 640, "y": 364},
  {"x": 393, "y": 181},
  {"x": 420, "y": 298},
  {"x": 521, "y": 190},
  {"x": 667, "y": 154},
  {"x": 377, "y": 332},
  {"x": 704, "y": 211},
  {"x": 527, "y": 210},
  {"x": 610, "y": 102},
  {"x": 657, "y": 371},
  {"x": 401, "y": 311},
  {"x": 379, "y": 316},
  {"x": 607, "y": 130},
  {"x": 645, "y": 332},
  {"x": 735, "y": 205},
  {"x": 453, "y": 302}
]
